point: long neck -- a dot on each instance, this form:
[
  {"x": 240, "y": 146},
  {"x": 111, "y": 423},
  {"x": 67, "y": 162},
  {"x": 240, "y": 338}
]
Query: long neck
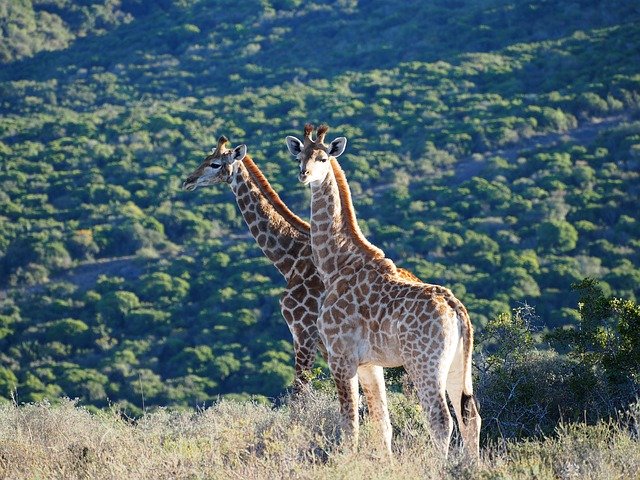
[
  {"x": 280, "y": 234},
  {"x": 336, "y": 238}
]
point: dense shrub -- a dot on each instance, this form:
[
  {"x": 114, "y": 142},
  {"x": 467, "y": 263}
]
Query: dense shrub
[{"x": 606, "y": 341}]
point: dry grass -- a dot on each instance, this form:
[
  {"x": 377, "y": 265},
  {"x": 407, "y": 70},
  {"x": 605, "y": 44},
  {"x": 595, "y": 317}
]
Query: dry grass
[{"x": 246, "y": 440}]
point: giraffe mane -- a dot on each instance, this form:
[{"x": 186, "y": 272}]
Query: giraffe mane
[
  {"x": 407, "y": 275},
  {"x": 349, "y": 214},
  {"x": 275, "y": 200}
]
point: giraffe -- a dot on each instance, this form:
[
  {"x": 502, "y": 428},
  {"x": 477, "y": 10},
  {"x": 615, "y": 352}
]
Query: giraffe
[
  {"x": 285, "y": 240},
  {"x": 281, "y": 235},
  {"x": 371, "y": 316}
]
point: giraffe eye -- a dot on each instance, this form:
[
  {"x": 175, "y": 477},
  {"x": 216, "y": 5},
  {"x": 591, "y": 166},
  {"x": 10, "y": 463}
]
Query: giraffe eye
[{"x": 216, "y": 165}]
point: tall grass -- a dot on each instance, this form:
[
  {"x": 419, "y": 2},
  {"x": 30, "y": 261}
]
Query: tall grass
[{"x": 296, "y": 440}]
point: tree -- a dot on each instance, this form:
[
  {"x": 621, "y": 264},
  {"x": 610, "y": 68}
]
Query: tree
[
  {"x": 114, "y": 306},
  {"x": 69, "y": 330},
  {"x": 519, "y": 283},
  {"x": 144, "y": 320},
  {"x": 163, "y": 288},
  {"x": 557, "y": 236},
  {"x": 87, "y": 382}
]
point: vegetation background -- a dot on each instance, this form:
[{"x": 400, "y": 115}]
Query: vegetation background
[{"x": 494, "y": 147}]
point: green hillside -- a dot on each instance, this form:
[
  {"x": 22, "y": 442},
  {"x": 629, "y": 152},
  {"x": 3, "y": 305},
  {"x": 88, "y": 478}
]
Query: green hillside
[{"x": 494, "y": 147}]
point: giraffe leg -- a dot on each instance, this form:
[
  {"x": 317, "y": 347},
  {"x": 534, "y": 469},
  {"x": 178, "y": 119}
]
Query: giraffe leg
[
  {"x": 346, "y": 379},
  {"x": 372, "y": 381},
  {"x": 305, "y": 335},
  {"x": 464, "y": 405},
  {"x": 305, "y": 351},
  {"x": 430, "y": 386},
  {"x": 434, "y": 403}
]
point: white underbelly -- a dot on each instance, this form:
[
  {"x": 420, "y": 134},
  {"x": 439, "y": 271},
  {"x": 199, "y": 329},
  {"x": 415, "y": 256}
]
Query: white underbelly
[{"x": 380, "y": 349}]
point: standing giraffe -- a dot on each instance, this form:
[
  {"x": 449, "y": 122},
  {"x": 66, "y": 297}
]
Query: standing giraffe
[
  {"x": 285, "y": 240},
  {"x": 370, "y": 316},
  {"x": 281, "y": 235}
]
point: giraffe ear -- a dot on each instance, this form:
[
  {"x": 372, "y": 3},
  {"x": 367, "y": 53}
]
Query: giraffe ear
[
  {"x": 239, "y": 153},
  {"x": 336, "y": 148},
  {"x": 294, "y": 145}
]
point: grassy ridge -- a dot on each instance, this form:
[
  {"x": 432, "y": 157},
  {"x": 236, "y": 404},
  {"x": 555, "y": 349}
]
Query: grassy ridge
[{"x": 247, "y": 440}]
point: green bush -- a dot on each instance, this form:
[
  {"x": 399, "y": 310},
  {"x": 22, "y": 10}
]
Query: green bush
[
  {"x": 524, "y": 390},
  {"x": 8, "y": 382},
  {"x": 606, "y": 339},
  {"x": 68, "y": 330},
  {"x": 163, "y": 288},
  {"x": 115, "y": 306}
]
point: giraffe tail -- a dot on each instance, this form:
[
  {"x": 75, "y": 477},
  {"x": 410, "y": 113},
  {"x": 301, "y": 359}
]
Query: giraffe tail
[{"x": 468, "y": 401}]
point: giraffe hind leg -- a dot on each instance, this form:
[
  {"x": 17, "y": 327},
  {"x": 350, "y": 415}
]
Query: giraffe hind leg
[
  {"x": 431, "y": 391},
  {"x": 427, "y": 361}
]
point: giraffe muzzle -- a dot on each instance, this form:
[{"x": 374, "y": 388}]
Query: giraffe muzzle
[
  {"x": 304, "y": 177},
  {"x": 189, "y": 185}
]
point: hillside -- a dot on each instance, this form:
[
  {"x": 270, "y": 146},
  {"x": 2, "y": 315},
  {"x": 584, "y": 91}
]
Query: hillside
[{"x": 494, "y": 147}]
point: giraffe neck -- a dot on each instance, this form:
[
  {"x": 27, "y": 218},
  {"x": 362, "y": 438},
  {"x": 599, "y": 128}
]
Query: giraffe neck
[
  {"x": 336, "y": 238},
  {"x": 280, "y": 234}
]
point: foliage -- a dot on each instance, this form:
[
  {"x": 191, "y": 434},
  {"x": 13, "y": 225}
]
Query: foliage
[
  {"x": 494, "y": 147},
  {"x": 522, "y": 391},
  {"x": 606, "y": 339}
]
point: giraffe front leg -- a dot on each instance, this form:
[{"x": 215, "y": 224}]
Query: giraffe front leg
[
  {"x": 305, "y": 335},
  {"x": 372, "y": 381},
  {"x": 305, "y": 351},
  {"x": 345, "y": 376}
]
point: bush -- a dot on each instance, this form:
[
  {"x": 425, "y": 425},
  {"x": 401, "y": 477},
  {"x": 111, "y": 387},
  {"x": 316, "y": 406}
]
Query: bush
[
  {"x": 114, "y": 306},
  {"x": 81, "y": 244},
  {"x": 37, "y": 249},
  {"x": 163, "y": 288},
  {"x": 592, "y": 104},
  {"x": 143, "y": 320},
  {"x": 524, "y": 391},
  {"x": 8, "y": 382},
  {"x": 607, "y": 341},
  {"x": 71, "y": 331}
]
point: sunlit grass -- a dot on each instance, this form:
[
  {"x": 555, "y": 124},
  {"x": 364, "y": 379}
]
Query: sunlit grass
[{"x": 296, "y": 440}]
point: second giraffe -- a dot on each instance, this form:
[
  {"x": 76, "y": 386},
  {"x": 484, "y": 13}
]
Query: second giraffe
[{"x": 370, "y": 316}]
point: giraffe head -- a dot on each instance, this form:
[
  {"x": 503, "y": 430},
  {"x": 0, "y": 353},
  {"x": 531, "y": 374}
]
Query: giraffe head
[
  {"x": 218, "y": 167},
  {"x": 314, "y": 155}
]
